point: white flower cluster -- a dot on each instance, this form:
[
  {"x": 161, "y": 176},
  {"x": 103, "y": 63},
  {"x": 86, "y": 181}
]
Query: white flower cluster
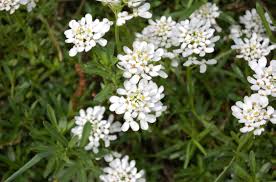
[
  {"x": 254, "y": 113},
  {"x": 142, "y": 61},
  {"x": 101, "y": 129},
  {"x": 137, "y": 7},
  {"x": 160, "y": 34},
  {"x": 120, "y": 169},
  {"x": 139, "y": 100},
  {"x": 86, "y": 33},
  {"x": 202, "y": 63},
  {"x": 264, "y": 79},
  {"x": 250, "y": 23},
  {"x": 251, "y": 43},
  {"x": 192, "y": 37},
  {"x": 12, "y": 5},
  {"x": 208, "y": 12}
]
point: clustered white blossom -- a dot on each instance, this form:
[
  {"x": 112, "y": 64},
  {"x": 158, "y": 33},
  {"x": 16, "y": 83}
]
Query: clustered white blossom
[
  {"x": 137, "y": 8},
  {"x": 264, "y": 79},
  {"x": 120, "y": 169},
  {"x": 253, "y": 49},
  {"x": 142, "y": 61},
  {"x": 253, "y": 45},
  {"x": 208, "y": 12},
  {"x": 252, "y": 23},
  {"x": 140, "y": 102},
  {"x": 101, "y": 129},
  {"x": 195, "y": 36},
  {"x": 86, "y": 33},
  {"x": 12, "y": 5},
  {"x": 160, "y": 34},
  {"x": 254, "y": 113}
]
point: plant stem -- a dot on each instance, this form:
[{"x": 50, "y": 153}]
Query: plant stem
[{"x": 117, "y": 38}]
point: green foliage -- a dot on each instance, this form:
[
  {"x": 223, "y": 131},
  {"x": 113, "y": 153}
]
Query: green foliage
[{"x": 195, "y": 140}]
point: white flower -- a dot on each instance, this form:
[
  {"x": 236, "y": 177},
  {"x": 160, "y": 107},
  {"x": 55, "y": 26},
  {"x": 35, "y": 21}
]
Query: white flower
[
  {"x": 195, "y": 37},
  {"x": 273, "y": 65},
  {"x": 86, "y": 33},
  {"x": 135, "y": 3},
  {"x": 138, "y": 102},
  {"x": 31, "y": 4},
  {"x": 141, "y": 61},
  {"x": 142, "y": 11},
  {"x": 263, "y": 81},
  {"x": 101, "y": 129},
  {"x": 122, "y": 170},
  {"x": 9, "y": 5},
  {"x": 202, "y": 63},
  {"x": 235, "y": 31},
  {"x": 254, "y": 113},
  {"x": 253, "y": 24},
  {"x": 110, "y": 2},
  {"x": 123, "y": 17},
  {"x": 158, "y": 32},
  {"x": 209, "y": 12},
  {"x": 253, "y": 49}
]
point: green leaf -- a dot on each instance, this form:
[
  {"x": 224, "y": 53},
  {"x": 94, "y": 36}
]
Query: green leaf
[
  {"x": 55, "y": 134},
  {"x": 240, "y": 172},
  {"x": 261, "y": 13},
  {"x": 104, "y": 94},
  {"x": 252, "y": 162},
  {"x": 51, "y": 115},
  {"x": 28, "y": 165},
  {"x": 85, "y": 134},
  {"x": 199, "y": 146}
]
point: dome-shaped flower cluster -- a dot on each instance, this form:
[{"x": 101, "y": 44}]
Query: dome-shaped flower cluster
[
  {"x": 86, "y": 33},
  {"x": 139, "y": 102},
  {"x": 12, "y": 5},
  {"x": 120, "y": 169},
  {"x": 254, "y": 113},
  {"x": 142, "y": 61},
  {"x": 101, "y": 129}
]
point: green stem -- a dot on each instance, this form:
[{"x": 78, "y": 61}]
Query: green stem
[{"x": 117, "y": 38}]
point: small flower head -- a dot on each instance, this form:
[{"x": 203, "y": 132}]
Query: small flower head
[
  {"x": 31, "y": 4},
  {"x": 101, "y": 129},
  {"x": 139, "y": 102},
  {"x": 86, "y": 33},
  {"x": 208, "y": 12},
  {"x": 195, "y": 37},
  {"x": 158, "y": 32},
  {"x": 141, "y": 61},
  {"x": 254, "y": 113},
  {"x": 122, "y": 170},
  {"x": 253, "y": 24},
  {"x": 253, "y": 49},
  {"x": 9, "y": 5},
  {"x": 137, "y": 8},
  {"x": 202, "y": 63},
  {"x": 263, "y": 81}
]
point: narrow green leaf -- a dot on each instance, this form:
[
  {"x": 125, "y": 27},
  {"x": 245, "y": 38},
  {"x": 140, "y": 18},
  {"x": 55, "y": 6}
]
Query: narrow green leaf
[
  {"x": 252, "y": 162},
  {"x": 55, "y": 134},
  {"x": 103, "y": 94},
  {"x": 28, "y": 165},
  {"x": 51, "y": 115},
  {"x": 240, "y": 172},
  {"x": 187, "y": 157},
  {"x": 199, "y": 146},
  {"x": 261, "y": 13},
  {"x": 244, "y": 139},
  {"x": 85, "y": 134}
]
